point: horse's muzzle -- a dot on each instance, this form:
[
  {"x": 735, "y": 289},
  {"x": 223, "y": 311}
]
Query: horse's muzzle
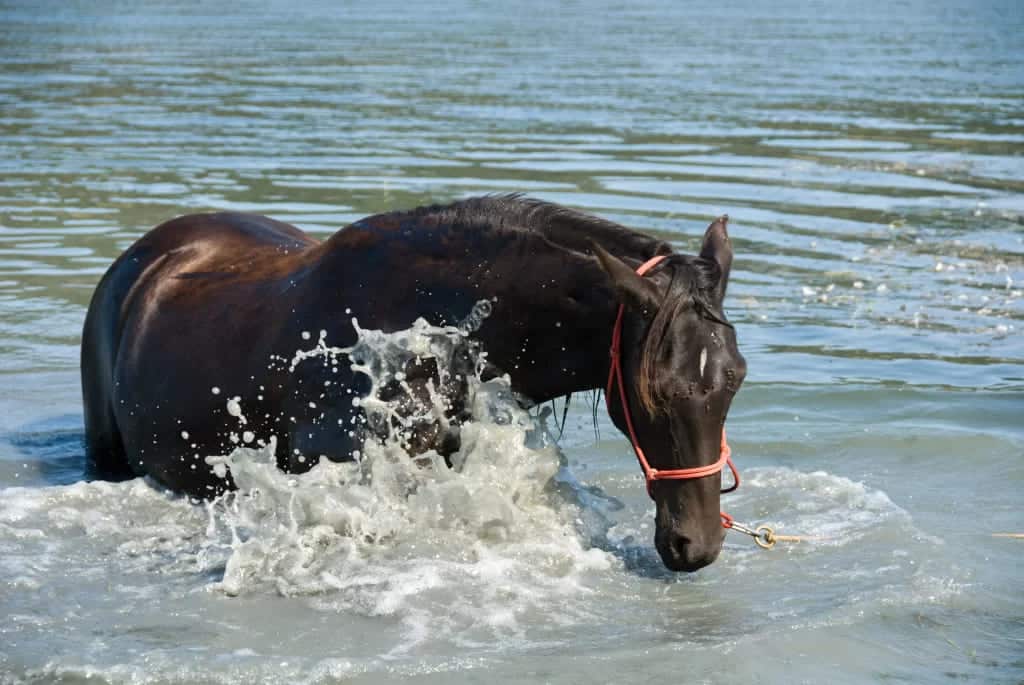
[{"x": 682, "y": 553}]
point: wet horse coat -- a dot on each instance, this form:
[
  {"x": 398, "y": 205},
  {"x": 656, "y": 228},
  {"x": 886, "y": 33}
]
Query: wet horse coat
[{"x": 200, "y": 310}]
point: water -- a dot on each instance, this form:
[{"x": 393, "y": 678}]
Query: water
[{"x": 869, "y": 155}]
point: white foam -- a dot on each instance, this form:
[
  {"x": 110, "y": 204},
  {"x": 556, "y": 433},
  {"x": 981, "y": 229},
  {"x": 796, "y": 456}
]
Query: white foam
[{"x": 830, "y": 509}]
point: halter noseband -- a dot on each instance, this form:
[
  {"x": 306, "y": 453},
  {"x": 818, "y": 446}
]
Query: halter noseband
[{"x": 652, "y": 474}]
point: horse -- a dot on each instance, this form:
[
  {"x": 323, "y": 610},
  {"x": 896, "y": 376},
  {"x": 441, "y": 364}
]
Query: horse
[{"x": 199, "y": 304}]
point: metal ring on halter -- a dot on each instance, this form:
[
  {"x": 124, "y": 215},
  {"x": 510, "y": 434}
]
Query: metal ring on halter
[{"x": 764, "y": 536}]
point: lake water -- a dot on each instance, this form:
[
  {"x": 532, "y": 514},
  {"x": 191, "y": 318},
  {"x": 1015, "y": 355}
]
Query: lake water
[{"x": 870, "y": 156}]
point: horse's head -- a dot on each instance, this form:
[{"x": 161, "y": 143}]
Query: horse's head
[{"x": 681, "y": 369}]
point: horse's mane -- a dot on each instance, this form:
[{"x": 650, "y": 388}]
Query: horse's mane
[
  {"x": 692, "y": 279},
  {"x": 562, "y": 226}
]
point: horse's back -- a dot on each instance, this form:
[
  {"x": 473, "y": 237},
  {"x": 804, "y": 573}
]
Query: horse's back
[
  {"x": 180, "y": 257},
  {"x": 221, "y": 236}
]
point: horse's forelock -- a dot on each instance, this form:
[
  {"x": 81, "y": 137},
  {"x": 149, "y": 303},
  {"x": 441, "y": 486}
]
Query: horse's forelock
[{"x": 692, "y": 281}]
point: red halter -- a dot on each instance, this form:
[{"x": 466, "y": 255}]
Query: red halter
[{"x": 653, "y": 474}]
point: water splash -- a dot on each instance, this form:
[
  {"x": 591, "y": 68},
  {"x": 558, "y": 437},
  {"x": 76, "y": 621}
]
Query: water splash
[{"x": 401, "y": 534}]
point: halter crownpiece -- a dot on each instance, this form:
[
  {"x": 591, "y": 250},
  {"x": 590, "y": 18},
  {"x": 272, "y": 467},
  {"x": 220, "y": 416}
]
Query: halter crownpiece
[{"x": 652, "y": 474}]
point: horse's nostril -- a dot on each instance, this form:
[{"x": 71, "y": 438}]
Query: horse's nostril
[{"x": 679, "y": 544}]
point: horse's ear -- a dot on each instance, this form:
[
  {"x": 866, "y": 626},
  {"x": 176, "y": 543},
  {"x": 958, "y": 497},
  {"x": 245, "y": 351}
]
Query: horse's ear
[
  {"x": 718, "y": 248},
  {"x": 636, "y": 292}
]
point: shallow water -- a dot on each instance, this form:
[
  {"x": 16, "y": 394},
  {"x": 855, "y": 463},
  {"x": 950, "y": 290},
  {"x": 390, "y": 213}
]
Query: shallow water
[{"x": 869, "y": 155}]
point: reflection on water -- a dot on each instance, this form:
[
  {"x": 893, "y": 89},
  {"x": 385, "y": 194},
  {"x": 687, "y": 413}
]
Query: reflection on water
[{"x": 869, "y": 154}]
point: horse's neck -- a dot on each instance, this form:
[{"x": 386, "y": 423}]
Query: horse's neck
[
  {"x": 552, "y": 308},
  {"x": 551, "y": 322}
]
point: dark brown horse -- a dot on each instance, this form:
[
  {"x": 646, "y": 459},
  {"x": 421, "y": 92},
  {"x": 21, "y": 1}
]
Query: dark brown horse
[{"x": 202, "y": 304}]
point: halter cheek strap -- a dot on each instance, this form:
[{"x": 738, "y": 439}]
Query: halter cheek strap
[{"x": 652, "y": 474}]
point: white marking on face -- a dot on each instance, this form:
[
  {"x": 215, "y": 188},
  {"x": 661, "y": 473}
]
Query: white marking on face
[{"x": 703, "y": 360}]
